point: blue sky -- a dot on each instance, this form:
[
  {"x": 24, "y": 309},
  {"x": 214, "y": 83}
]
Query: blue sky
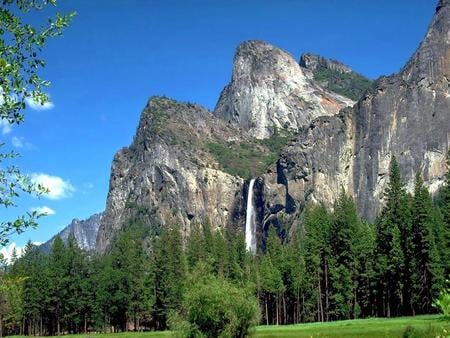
[{"x": 118, "y": 53}]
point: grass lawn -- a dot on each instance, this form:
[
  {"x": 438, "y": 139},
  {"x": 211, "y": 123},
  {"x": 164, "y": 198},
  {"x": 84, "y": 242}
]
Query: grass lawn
[{"x": 424, "y": 326}]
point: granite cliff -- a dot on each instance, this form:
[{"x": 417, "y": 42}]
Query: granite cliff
[
  {"x": 269, "y": 90},
  {"x": 188, "y": 165},
  {"x": 278, "y": 121},
  {"x": 406, "y": 115}
]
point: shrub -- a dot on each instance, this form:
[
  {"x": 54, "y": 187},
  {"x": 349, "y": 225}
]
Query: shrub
[
  {"x": 214, "y": 307},
  {"x": 443, "y": 303},
  {"x": 428, "y": 332}
]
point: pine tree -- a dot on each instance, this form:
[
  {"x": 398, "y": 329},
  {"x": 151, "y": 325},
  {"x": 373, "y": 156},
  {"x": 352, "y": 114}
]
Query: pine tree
[
  {"x": 427, "y": 271},
  {"x": 37, "y": 297},
  {"x": 170, "y": 270},
  {"x": 392, "y": 244},
  {"x": 314, "y": 237},
  {"x": 58, "y": 290},
  {"x": 364, "y": 278},
  {"x": 272, "y": 287},
  {"x": 445, "y": 210},
  {"x": 275, "y": 252},
  {"x": 345, "y": 228},
  {"x": 295, "y": 264}
]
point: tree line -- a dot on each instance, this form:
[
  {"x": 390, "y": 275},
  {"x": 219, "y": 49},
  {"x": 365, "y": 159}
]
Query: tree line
[{"x": 333, "y": 266}]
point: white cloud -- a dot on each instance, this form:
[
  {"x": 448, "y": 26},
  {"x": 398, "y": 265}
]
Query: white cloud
[
  {"x": 7, "y": 251},
  {"x": 37, "y": 106},
  {"x": 57, "y": 187},
  {"x": 44, "y": 210},
  {"x": 19, "y": 142},
  {"x": 5, "y": 127}
]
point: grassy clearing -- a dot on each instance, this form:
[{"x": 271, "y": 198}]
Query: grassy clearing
[
  {"x": 423, "y": 327},
  {"x": 116, "y": 335}
]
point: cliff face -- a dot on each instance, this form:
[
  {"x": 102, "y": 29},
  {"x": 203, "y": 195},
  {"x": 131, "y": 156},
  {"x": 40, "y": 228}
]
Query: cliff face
[
  {"x": 84, "y": 231},
  {"x": 407, "y": 115},
  {"x": 269, "y": 90},
  {"x": 312, "y": 168},
  {"x": 168, "y": 176},
  {"x": 189, "y": 165}
]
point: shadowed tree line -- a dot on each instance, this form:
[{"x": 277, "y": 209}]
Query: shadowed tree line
[{"x": 334, "y": 266}]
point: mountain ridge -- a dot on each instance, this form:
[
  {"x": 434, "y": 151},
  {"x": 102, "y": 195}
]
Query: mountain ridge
[
  {"x": 164, "y": 179},
  {"x": 84, "y": 232}
]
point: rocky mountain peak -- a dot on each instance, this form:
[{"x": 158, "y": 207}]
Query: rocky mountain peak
[
  {"x": 84, "y": 232},
  {"x": 269, "y": 91},
  {"x": 314, "y": 62},
  {"x": 430, "y": 64}
]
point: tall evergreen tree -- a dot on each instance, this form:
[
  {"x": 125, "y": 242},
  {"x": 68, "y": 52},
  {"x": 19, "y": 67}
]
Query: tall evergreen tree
[
  {"x": 427, "y": 269},
  {"x": 58, "y": 283},
  {"x": 445, "y": 211},
  {"x": 315, "y": 239},
  {"x": 170, "y": 270},
  {"x": 392, "y": 244}
]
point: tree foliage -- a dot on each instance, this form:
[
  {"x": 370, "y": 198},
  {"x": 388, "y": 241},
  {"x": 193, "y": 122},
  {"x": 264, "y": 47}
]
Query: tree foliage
[
  {"x": 332, "y": 266},
  {"x": 21, "y": 45}
]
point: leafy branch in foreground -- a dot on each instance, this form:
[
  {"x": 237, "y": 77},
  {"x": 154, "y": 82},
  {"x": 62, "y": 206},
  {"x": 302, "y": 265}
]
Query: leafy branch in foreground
[
  {"x": 12, "y": 183},
  {"x": 443, "y": 302},
  {"x": 20, "y": 47}
]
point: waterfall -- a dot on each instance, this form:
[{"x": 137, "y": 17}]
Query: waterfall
[{"x": 250, "y": 222}]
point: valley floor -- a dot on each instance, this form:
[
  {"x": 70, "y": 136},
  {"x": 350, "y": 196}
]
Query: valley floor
[{"x": 423, "y": 327}]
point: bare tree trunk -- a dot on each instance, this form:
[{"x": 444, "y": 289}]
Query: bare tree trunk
[
  {"x": 326, "y": 293},
  {"x": 267, "y": 311},
  {"x": 276, "y": 303},
  {"x": 321, "y": 317},
  {"x": 388, "y": 310},
  {"x": 85, "y": 323}
]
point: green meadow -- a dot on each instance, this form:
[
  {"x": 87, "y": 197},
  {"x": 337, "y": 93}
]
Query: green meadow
[{"x": 420, "y": 327}]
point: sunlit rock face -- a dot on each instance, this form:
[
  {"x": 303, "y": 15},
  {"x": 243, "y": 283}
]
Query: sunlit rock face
[
  {"x": 269, "y": 90},
  {"x": 167, "y": 177}
]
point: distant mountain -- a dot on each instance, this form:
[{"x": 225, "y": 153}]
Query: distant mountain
[{"x": 85, "y": 232}]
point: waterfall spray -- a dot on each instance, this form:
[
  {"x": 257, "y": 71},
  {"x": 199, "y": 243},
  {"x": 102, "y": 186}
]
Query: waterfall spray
[{"x": 250, "y": 222}]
